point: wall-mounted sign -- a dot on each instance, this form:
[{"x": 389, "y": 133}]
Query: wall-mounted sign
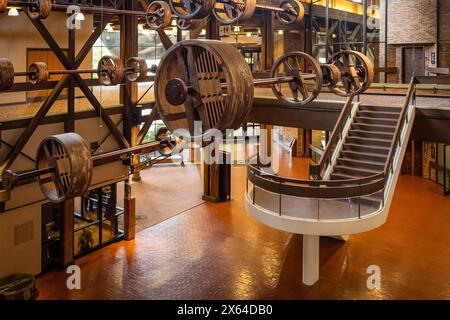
[{"x": 433, "y": 58}]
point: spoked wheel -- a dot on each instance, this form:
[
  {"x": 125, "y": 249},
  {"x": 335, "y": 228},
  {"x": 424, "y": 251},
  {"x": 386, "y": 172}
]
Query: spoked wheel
[
  {"x": 110, "y": 71},
  {"x": 159, "y": 15},
  {"x": 192, "y": 9},
  {"x": 203, "y": 80},
  {"x": 234, "y": 11},
  {"x": 168, "y": 143},
  {"x": 294, "y": 12},
  {"x": 357, "y": 72},
  {"x": 306, "y": 81},
  {"x": 331, "y": 75}
]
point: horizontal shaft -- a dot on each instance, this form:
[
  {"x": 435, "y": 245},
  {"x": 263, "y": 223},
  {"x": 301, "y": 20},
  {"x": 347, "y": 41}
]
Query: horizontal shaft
[
  {"x": 93, "y": 9},
  {"x": 34, "y": 173},
  {"x": 102, "y": 10},
  {"x": 79, "y": 71},
  {"x": 258, "y": 6},
  {"x": 96, "y": 160},
  {"x": 74, "y": 71},
  {"x": 271, "y": 81},
  {"x": 276, "y": 80},
  {"x": 270, "y": 8},
  {"x": 119, "y": 154}
]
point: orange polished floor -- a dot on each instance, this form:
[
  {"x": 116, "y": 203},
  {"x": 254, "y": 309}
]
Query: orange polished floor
[{"x": 217, "y": 251}]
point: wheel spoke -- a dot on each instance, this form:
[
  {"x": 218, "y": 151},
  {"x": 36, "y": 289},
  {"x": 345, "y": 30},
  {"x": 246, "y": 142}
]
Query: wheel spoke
[
  {"x": 304, "y": 90},
  {"x": 287, "y": 66},
  {"x": 294, "y": 90},
  {"x": 189, "y": 6}
]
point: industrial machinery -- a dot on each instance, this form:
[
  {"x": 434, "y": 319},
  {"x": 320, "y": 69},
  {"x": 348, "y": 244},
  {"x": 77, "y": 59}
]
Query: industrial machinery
[
  {"x": 210, "y": 81},
  {"x": 64, "y": 165},
  {"x": 111, "y": 71}
]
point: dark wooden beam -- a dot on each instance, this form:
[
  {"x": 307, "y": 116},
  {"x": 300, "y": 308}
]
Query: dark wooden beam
[
  {"x": 42, "y": 29},
  {"x": 148, "y": 123},
  {"x": 268, "y": 41},
  {"x": 34, "y": 123},
  {"x": 58, "y": 118},
  {"x": 101, "y": 112},
  {"x": 69, "y": 123},
  {"x": 91, "y": 40},
  {"x": 67, "y": 235},
  {"x": 129, "y": 91},
  {"x": 25, "y": 86}
]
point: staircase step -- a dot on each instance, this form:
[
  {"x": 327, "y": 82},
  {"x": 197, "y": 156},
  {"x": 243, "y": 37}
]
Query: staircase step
[
  {"x": 364, "y": 164},
  {"x": 368, "y": 141},
  {"x": 373, "y": 127},
  {"x": 377, "y": 121},
  {"x": 380, "y": 158},
  {"x": 371, "y": 134},
  {"x": 367, "y": 147},
  {"x": 378, "y": 114},
  {"x": 380, "y": 108},
  {"x": 343, "y": 176},
  {"x": 354, "y": 171}
]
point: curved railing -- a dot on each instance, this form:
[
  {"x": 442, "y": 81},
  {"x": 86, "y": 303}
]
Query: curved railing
[
  {"x": 315, "y": 199},
  {"x": 330, "y": 200}
]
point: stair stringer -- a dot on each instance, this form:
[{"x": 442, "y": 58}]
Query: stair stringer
[{"x": 340, "y": 144}]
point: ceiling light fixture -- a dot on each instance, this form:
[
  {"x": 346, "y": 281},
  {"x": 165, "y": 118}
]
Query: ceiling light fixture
[
  {"x": 13, "y": 12},
  {"x": 109, "y": 27},
  {"x": 80, "y": 17}
]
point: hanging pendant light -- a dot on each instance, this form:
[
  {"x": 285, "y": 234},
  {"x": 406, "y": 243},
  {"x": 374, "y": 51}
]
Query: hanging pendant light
[{"x": 13, "y": 12}]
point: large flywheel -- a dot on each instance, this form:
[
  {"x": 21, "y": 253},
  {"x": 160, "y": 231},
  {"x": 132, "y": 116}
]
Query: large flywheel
[{"x": 207, "y": 81}]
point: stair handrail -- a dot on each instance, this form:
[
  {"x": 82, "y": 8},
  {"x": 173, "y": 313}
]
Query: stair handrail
[
  {"x": 315, "y": 170},
  {"x": 336, "y": 189},
  {"x": 396, "y": 139}
]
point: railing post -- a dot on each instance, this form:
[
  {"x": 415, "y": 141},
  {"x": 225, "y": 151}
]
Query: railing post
[
  {"x": 318, "y": 203},
  {"x": 279, "y": 200},
  {"x": 359, "y": 202},
  {"x": 254, "y": 193}
]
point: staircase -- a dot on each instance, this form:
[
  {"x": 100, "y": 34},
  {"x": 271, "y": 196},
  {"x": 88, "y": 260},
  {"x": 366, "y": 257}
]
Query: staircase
[{"x": 366, "y": 148}]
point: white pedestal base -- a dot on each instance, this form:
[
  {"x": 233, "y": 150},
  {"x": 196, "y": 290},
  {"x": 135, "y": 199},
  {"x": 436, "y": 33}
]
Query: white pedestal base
[{"x": 311, "y": 254}]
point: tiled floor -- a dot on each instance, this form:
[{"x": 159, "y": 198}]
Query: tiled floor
[{"x": 217, "y": 251}]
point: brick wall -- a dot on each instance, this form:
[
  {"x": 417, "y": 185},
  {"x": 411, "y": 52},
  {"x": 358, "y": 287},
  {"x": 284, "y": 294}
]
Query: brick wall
[
  {"x": 444, "y": 34},
  {"x": 412, "y": 22}
]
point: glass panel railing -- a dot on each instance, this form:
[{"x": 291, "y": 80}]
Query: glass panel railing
[
  {"x": 371, "y": 203},
  {"x": 303, "y": 208},
  {"x": 320, "y": 209},
  {"x": 334, "y": 209},
  {"x": 267, "y": 200}
]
